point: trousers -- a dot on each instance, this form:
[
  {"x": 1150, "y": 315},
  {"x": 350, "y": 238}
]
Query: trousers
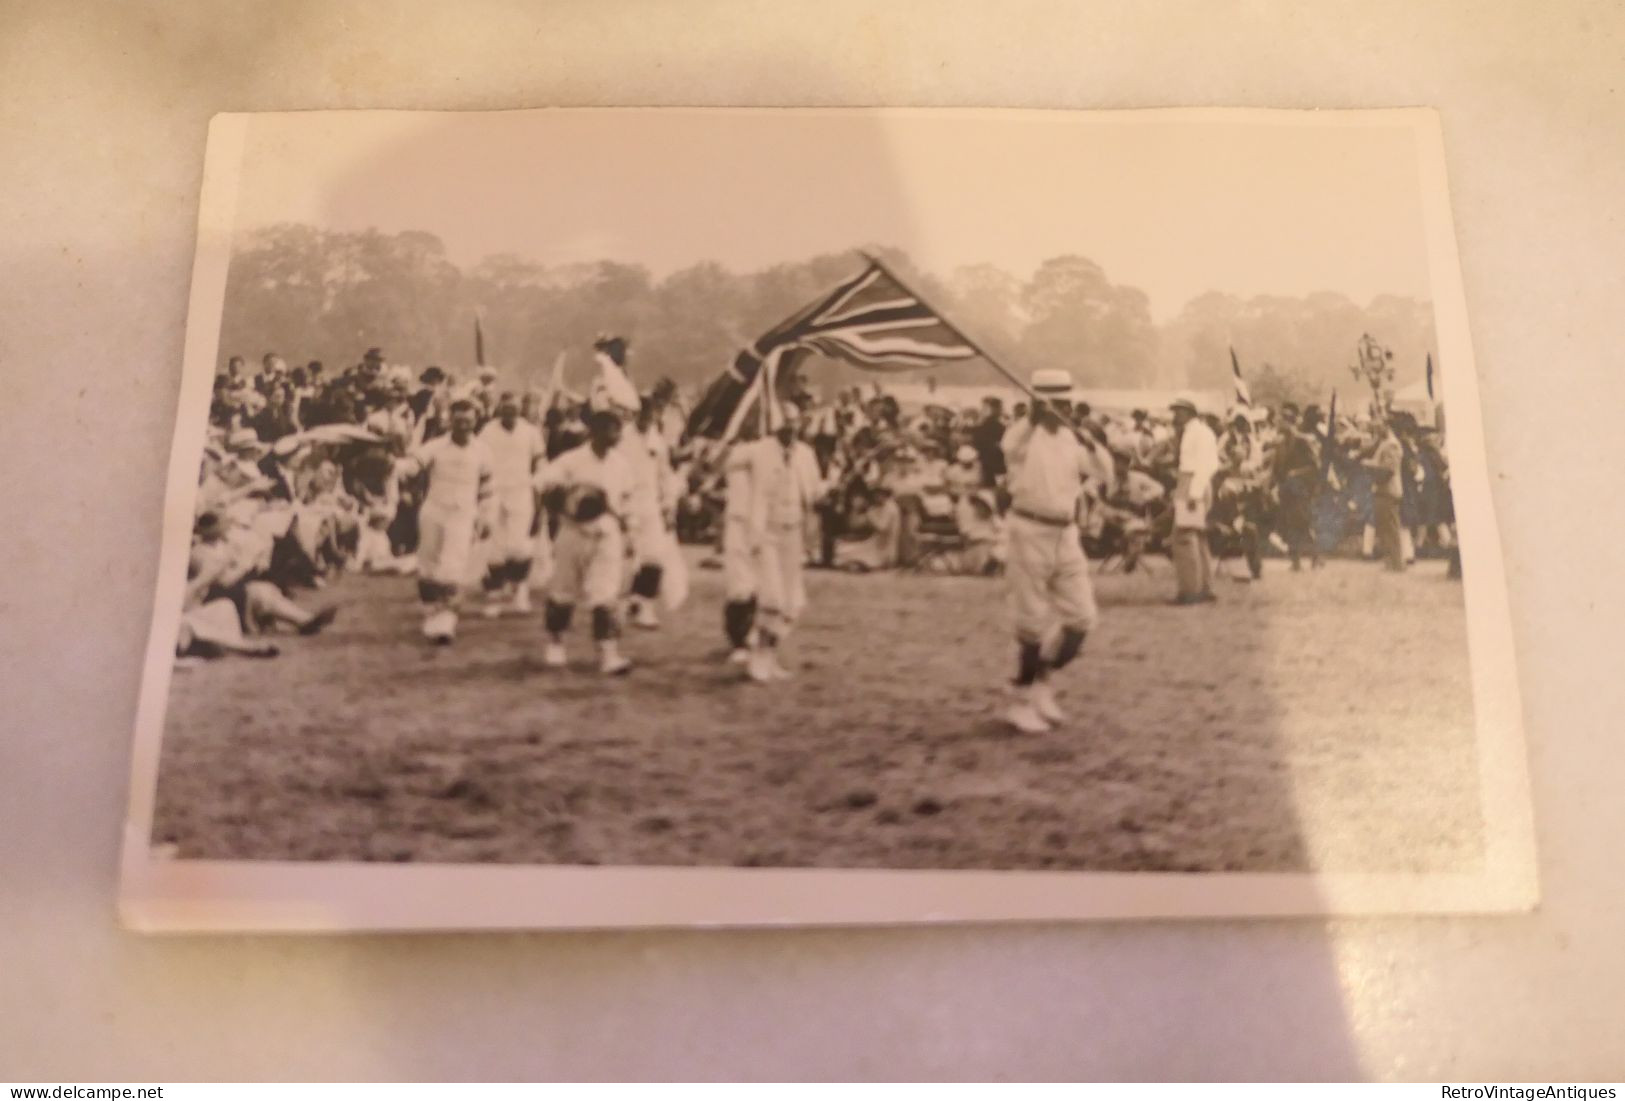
[
  {"x": 1390, "y": 542},
  {"x": 588, "y": 563},
  {"x": 781, "y": 587},
  {"x": 1193, "y": 562},
  {"x": 1049, "y": 579}
]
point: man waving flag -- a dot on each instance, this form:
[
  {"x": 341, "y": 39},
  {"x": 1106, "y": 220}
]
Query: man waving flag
[{"x": 870, "y": 320}]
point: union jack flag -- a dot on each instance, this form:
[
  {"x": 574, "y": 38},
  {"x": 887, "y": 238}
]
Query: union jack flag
[{"x": 870, "y": 320}]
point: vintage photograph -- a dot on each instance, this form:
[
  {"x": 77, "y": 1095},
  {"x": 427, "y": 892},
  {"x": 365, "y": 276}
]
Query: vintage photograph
[{"x": 880, "y": 491}]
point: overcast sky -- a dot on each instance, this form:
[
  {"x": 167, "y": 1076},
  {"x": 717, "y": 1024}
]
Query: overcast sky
[{"x": 1174, "y": 206}]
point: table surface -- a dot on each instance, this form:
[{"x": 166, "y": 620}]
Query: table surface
[{"x": 103, "y": 109}]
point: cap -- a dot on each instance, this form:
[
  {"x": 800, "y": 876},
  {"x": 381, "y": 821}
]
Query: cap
[
  {"x": 374, "y": 355},
  {"x": 1186, "y": 402},
  {"x": 487, "y": 372}
]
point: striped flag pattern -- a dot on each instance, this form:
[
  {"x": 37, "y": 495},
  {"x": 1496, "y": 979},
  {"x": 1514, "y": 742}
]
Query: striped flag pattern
[
  {"x": 870, "y": 320},
  {"x": 874, "y": 321},
  {"x": 1243, "y": 395}
]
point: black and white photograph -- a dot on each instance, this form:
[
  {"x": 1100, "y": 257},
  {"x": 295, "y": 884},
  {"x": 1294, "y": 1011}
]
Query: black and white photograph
[{"x": 595, "y": 517}]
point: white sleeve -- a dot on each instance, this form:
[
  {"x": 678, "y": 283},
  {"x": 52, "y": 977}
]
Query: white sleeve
[
  {"x": 1015, "y": 440},
  {"x": 556, "y": 473}
]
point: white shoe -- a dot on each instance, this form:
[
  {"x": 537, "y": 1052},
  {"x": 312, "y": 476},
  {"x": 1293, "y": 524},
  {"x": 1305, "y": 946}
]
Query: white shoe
[
  {"x": 643, "y": 615},
  {"x": 1042, "y": 697},
  {"x": 553, "y": 655},
  {"x": 740, "y": 656},
  {"x": 760, "y": 666},
  {"x": 492, "y": 609},
  {"x": 521, "y": 600},
  {"x": 441, "y": 628},
  {"x": 613, "y": 665},
  {"x": 1025, "y": 718}
]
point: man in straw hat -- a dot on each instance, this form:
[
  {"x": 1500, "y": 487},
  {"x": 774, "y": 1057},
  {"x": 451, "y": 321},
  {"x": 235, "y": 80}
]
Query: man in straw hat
[
  {"x": 1050, "y": 590},
  {"x": 1193, "y": 496}
]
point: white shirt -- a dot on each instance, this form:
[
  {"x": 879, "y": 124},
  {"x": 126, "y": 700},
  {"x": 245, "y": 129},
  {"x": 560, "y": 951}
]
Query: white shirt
[
  {"x": 1198, "y": 458},
  {"x": 648, "y": 457},
  {"x": 581, "y": 468},
  {"x": 459, "y": 477},
  {"x": 1047, "y": 470},
  {"x": 784, "y": 484},
  {"x": 736, "y": 471},
  {"x": 514, "y": 453}
]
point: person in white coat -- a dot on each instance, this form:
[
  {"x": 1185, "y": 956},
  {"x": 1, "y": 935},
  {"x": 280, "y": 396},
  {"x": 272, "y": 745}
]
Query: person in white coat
[
  {"x": 1193, "y": 496},
  {"x": 784, "y": 485}
]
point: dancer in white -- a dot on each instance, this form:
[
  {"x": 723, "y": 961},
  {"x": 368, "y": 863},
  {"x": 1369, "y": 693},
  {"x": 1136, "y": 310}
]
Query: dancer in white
[
  {"x": 785, "y": 484},
  {"x": 454, "y": 513},
  {"x": 516, "y": 448},
  {"x": 593, "y": 488}
]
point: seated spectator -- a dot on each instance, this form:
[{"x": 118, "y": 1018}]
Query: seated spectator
[{"x": 873, "y": 535}]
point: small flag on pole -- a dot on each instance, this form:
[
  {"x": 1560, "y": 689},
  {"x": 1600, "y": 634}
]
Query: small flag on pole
[
  {"x": 1243, "y": 395},
  {"x": 479, "y": 343}
]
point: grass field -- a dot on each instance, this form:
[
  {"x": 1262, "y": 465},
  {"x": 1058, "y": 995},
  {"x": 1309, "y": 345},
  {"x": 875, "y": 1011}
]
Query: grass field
[{"x": 1314, "y": 721}]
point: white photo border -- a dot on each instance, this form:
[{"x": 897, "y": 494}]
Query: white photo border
[{"x": 159, "y": 894}]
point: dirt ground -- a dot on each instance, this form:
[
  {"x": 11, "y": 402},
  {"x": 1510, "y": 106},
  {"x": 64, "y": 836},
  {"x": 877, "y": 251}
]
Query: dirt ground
[{"x": 1314, "y": 721}]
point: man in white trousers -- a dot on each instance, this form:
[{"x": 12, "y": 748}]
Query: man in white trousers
[
  {"x": 516, "y": 448},
  {"x": 1050, "y": 591},
  {"x": 454, "y": 513},
  {"x": 738, "y": 556},
  {"x": 654, "y": 501},
  {"x": 589, "y": 560},
  {"x": 1193, "y": 497},
  {"x": 785, "y": 484}
]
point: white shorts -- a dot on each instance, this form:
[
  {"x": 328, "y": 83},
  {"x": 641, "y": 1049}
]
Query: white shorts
[
  {"x": 588, "y": 563},
  {"x": 445, "y": 546},
  {"x": 511, "y": 540},
  {"x": 648, "y": 535},
  {"x": 1049, "y": 579}
]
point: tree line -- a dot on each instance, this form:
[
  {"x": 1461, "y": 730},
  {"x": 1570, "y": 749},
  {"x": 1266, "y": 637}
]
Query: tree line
[{"x": 308, "y": 293}]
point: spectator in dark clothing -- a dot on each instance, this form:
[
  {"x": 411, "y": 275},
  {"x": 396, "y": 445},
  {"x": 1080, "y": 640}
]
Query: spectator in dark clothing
[
  {"x": 987, "y": 438},
  {"x": 277, "y": 419}
]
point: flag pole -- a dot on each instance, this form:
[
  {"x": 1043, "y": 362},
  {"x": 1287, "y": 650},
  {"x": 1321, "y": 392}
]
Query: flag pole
[{"x": 957, "y": 331}]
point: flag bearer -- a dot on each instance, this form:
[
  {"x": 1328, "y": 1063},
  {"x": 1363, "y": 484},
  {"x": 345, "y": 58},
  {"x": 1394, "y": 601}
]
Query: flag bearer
[{"x": 1050, "y": 591}]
